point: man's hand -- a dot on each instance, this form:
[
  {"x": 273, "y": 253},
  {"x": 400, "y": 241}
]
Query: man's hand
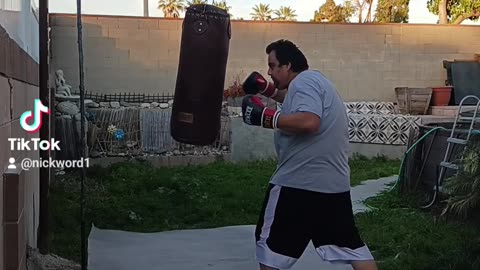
[
  {"x": 256, "y": 114},
  {"x": 255, "y": 83}
]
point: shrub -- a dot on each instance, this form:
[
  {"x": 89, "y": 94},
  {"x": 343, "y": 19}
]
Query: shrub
[{"x": 465, "y": 185}]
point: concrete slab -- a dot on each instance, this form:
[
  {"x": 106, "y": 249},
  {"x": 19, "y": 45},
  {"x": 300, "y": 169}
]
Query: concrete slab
[
  {"x": 367, "y": 189},
  {"x": 226, "y": 248}
]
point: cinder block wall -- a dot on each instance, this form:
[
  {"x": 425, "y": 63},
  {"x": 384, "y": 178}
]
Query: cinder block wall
[
  {"x": 19, "y": 199},
  {"x": 366, "y": 62}
]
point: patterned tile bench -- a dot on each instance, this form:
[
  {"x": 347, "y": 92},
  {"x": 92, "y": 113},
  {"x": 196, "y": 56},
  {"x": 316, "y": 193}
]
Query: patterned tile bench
[
  {"x": 378, "y": 123},
  {"x": 365, "y": 107}
]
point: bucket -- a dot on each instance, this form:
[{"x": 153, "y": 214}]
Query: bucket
[{"x": 441, "y": 95}]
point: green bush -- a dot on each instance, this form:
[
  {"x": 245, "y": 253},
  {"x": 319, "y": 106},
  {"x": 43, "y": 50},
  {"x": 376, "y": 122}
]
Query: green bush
[{"x": 464, "y": 187}]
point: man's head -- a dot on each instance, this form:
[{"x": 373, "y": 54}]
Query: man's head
[{"x": 285, "y": 61}]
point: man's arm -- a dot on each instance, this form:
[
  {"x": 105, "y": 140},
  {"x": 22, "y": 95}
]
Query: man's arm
[
  {"x": 255, "y": 113},
  {"x": 299, "y": 123}
]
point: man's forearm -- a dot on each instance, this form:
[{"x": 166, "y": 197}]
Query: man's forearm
[{"x": 299, "y": 123}]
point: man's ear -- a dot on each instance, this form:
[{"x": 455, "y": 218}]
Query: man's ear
[{"x": 289, "y": 66}]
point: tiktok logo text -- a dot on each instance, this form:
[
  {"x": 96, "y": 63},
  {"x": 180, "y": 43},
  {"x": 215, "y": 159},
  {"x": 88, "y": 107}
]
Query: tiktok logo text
[
  {"x": 31, "y": 122},
  {"x": 38, "y": 109},
  {"x": 20, "y": 144}
]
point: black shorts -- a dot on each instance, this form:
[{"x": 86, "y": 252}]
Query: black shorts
[{"x": 291, "y": 218}]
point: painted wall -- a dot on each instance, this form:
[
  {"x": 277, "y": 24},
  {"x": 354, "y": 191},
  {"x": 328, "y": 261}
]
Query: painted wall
[
  {"x": 366, "y": 62},
  {"x": 20, "y": 19}
]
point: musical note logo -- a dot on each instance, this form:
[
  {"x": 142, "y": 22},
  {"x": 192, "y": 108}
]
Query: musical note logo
[{"x": 38, "y": 109}]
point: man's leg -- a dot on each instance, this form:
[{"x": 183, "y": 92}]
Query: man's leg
[
  {"x": 336, "y": 237},
  {"x": 281, "y": 235},
  {"x": 364, "y": 265}
]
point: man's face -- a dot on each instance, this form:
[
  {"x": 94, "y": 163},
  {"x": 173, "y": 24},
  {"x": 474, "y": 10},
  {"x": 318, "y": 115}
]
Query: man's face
[{"x": 279, "y": 74}]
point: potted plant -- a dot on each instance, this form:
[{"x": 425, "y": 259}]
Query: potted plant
[
  {"x": 234, "y": 91},
  {"x": 441, "y": 95}
]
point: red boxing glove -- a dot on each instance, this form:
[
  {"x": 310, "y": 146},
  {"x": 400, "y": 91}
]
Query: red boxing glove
[
  {"x": 255, "y": 83},
  {"x": 256, "y": 114}
]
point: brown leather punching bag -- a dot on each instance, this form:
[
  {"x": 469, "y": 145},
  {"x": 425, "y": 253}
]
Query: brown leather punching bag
[{"x": 200, "y": 81}]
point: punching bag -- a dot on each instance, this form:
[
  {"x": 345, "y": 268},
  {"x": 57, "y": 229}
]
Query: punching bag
[{"x": 200, "y": 81}]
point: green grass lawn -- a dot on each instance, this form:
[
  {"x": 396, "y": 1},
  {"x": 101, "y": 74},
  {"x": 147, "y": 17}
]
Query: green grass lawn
[
  {"x": 136, "y": 197},
  {"x": 403, "y": 237}
]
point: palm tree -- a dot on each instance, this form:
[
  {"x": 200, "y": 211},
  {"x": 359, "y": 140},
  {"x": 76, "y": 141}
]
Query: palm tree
[
  {"x": 223, "y": 5},
  {"x": 464, "y": 187},
  {"x": 262, "y": 12},
  {"x": 171, "y": 8},
  {"x": 285, "y": 14},
  {"x": 196, "y": 2},
  {"x": 145, "y": 8}
]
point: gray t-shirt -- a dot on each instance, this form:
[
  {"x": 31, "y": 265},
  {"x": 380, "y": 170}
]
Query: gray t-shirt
[{"x": 319, "y": 161}]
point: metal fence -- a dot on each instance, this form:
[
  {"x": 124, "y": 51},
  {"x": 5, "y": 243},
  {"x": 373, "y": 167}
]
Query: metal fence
[
  {"x": 132, "y": 130},
  {"x": 128, "y": 97}
]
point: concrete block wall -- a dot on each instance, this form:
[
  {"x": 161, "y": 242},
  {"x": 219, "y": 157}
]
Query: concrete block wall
[
  {"x": 14, "y": 216},
  {"x": 120, "y": 54},
  {"x": 365, "y": 61},
  {"x": 15, "y": 98},
  {"x": 19, "y": 200}
]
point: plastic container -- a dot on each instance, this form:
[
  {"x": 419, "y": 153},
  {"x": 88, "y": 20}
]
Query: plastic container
[{"x": 441, "y": 95}]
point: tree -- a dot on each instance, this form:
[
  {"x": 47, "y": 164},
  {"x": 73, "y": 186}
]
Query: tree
[
  {"x": 196, "y": 2},
  {"x": 454, "y": 11},
  {"x": 171, "y": 8},
  {"x": 285, "y": 14},
  {"x": 331, "y": 12},
  {"x": 369, "y": 13},
  {"x": 464, "y": 187},
  {"x": 360, "y": 6},
  {"x": 262, "y": 12},
  {"x": 145, "y": 8},
  {"x": 392, "y": 11},
  {"x": 223, "y": 5}
]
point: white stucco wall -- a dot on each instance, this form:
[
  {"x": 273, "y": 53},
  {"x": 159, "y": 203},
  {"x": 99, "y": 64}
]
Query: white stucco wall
[{"x": 20, "y": 19}]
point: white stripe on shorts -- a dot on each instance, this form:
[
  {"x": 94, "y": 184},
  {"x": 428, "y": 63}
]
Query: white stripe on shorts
[
  {"x": 335, "y": 253},
  {"x": 263, "y": 253}
]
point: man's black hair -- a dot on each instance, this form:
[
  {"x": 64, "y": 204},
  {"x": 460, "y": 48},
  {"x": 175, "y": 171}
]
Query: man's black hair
[{"x": 287, "y": 52}]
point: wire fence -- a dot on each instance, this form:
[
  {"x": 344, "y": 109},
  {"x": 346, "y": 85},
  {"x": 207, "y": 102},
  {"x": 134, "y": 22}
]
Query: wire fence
[
  {"x": 137, "y": 131},
  {"x": 133, "y": 130}
]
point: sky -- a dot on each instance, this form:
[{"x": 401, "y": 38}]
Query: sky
[{"x": 240, "y": 8}]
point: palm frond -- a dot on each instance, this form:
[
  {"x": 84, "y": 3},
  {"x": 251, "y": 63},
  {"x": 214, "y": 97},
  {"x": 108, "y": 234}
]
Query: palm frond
[{"x": 464, "y": 187}]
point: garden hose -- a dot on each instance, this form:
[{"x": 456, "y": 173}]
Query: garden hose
[
  {"x": 402, "y": 164},
  {"x": 400, "y": 174}
]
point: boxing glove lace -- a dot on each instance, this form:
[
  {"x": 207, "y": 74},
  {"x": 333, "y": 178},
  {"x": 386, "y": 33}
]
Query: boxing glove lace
[
  {"x": 256, "y": 114},
  {"x": 255, "y": 83}
]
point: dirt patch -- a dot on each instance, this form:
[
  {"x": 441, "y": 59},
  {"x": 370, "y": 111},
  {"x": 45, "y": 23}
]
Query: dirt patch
[{"x": 37, "y": 261}]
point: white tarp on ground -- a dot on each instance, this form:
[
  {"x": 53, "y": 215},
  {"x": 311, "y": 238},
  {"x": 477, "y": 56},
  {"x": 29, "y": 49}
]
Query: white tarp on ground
[{"x": 226, "y": 248}]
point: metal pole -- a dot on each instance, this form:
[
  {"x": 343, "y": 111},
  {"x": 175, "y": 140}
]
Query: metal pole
[
  {"x": 45, "y": 97},
  {"x": 82, "y": 137}
]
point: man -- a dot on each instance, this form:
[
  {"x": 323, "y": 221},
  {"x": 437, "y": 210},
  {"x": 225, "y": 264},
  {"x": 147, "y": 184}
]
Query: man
[{"x": 308, "y": 198}]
